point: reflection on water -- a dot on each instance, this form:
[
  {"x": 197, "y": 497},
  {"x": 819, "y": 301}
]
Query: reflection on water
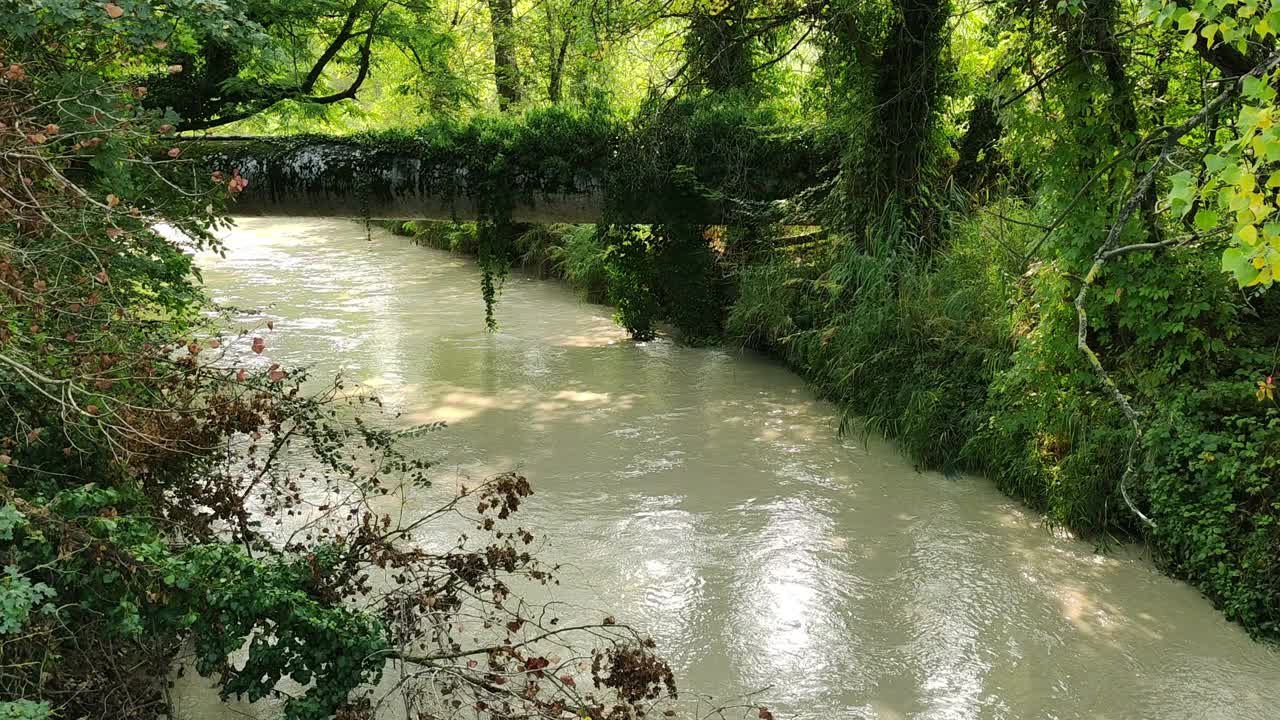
[{"x": 705, "y": 496}]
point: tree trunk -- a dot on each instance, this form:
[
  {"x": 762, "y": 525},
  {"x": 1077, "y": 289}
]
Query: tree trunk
[
  {"x": 557, "y": 70},
  {"x": 506, "y": 73},
  {"x": 1102, "y": 17},
  {"x": 908, "y": 94},
  {"x": 719, "y": 55},
  {"x": 979, "y": 160}
]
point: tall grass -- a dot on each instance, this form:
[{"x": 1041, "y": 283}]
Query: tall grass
[
  {"x": 463, "y": 238},
  {"x": 907, "y": 342},
  {"x": 579, "y": 257}
]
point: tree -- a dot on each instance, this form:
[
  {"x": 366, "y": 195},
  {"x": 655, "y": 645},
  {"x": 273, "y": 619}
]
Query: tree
[
  {"x": 312, "y": 54},
  {"x": 506, "y": 70}
]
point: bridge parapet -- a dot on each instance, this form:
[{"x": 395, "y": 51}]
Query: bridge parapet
[{"x": 317, "y": 176}]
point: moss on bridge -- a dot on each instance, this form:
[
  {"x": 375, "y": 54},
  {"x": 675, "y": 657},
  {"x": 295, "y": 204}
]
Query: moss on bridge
[{"x": 705, "y": 166}]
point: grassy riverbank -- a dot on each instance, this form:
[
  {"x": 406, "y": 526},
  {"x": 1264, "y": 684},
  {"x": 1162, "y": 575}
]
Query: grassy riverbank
[{"x": 967, "y": 356}]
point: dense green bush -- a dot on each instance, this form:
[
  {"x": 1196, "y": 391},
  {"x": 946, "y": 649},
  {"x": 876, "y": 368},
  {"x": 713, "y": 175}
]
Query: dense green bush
[
  {"x": 1212, "y": 475},
  {"x": 455, "y": 237}
]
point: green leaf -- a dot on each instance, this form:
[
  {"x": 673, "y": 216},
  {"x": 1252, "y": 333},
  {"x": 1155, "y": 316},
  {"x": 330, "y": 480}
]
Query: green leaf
[
  {"x": 1236, "y": 262},
  {"x": 24, "y": 710},
  {"x": 1250, "y": 116},
  {"x": 1183, "y": 192},
  {"x": 10, "y": 520},
  {"x": 1206, "y": 220},
  {"x": 1258, "y": 89},
  {"x": 1215, "y": 163},
  {"x": 18, "y": 597}
]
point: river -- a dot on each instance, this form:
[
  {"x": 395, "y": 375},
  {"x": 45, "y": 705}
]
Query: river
[{"x": 705, "y": 496}]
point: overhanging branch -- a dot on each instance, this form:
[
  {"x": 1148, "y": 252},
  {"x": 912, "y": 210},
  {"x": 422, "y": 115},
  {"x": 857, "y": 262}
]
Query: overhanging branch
[
  {"x": 1109, "y": 250},
  {"x": 302, "y": 92}
]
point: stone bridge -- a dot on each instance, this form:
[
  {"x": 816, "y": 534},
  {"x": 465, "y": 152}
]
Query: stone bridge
[{"x": 317, "y": 176}]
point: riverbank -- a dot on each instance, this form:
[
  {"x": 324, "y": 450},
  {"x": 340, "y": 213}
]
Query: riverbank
[{"x": 967, "y": 358}]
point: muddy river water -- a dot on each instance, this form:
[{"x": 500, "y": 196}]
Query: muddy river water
[{"x": 705, "y": 496}]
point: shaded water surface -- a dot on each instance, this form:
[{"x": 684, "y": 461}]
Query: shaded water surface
[{"x": 704, "y": 495}]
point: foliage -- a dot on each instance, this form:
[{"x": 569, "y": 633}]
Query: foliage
[
  {"x": 1241, "y": 165},
  {"x": 631, "y": 267},
  {"x": 23, "y": 710},
  {"x": 910, "y": 351},
  {"x": 1213, "y": 459},
  {"x": 580, "y": 258},
  {"x": 454, "y": 237},
  {"x": 18, "y": 598}
]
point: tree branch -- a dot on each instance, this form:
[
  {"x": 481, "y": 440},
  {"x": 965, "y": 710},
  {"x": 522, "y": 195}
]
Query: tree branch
[
  {"x": 301, "y": 92},
  {"x": 336, "y": 45}
]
